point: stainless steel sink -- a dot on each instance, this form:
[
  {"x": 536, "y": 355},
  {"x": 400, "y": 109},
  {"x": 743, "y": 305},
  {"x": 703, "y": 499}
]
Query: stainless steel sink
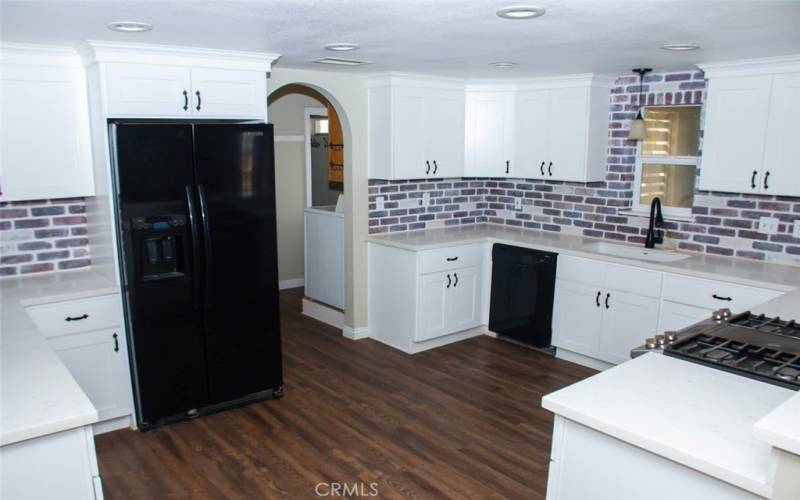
[{"x": 632, "y": 252}]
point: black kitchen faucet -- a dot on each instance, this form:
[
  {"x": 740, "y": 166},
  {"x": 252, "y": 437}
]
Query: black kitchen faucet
[{"x": 654, "y": 232}]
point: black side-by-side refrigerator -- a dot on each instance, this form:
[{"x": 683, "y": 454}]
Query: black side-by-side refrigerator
[{"x": 197, "y": 232}]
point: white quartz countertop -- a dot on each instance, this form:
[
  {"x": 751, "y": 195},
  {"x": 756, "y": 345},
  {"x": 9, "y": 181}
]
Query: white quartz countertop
[
  {"x": 38, "y": 395},
  {"x": 743, "y": 271},
  {"x": 694, "y": 415}
]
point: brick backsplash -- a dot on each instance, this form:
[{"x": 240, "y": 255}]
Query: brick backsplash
[
  {"x": 43, "y": 236},
  {"x": 722, "y": 223}
]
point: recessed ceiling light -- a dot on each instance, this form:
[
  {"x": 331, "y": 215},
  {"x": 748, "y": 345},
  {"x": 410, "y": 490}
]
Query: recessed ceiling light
[
  {"x": 503, "y": 64},
  {"x": 521, "y": 12},
  {"x": 680, "y": 47},
  {"x": 130, "y": 26},
  {"x": 340, "y": 47},
  {"x": 340, "y": 61}
]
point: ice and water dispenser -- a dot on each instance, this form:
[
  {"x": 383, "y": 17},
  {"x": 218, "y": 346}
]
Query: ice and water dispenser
[{"x": 160, "y": 246}]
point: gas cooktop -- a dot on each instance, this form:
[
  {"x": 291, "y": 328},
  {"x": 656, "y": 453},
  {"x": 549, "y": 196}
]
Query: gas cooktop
[{"x": 752, "y": 345}]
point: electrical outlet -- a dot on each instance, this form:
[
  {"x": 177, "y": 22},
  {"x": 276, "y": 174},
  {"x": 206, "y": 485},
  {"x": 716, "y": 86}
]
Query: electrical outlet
[
  {"x": 426, "y": 199},
  {"x": 768, "y": 225},
  {"x": 796, "y": 229},
  {"x": 379, "y": 202},
  {"x": 517, "y": 203}
]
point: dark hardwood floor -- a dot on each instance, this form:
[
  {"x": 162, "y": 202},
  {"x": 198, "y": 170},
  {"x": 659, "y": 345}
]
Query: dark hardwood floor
[{"x": 461, "y": 421}]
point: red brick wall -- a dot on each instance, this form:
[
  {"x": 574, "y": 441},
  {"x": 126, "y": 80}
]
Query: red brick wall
[{"x": 42, "y": 236}]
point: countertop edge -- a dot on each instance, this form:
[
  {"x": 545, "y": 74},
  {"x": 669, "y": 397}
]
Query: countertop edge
[
  {"x": 765, "y": 429},
  {"x": 28, "y": 433}
]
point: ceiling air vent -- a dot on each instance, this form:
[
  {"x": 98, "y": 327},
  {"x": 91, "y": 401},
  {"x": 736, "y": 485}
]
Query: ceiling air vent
[{"x": 340, "y": 61}]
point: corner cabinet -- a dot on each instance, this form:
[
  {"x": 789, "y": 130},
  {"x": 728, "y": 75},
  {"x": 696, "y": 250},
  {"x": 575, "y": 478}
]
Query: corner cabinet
[
  {"x": 420, "y": 300},
  {"x": 562, "y": 132},
  {"x": 490, "y": 133},
  {"x": 44, "y": 110},
  {"x": 145, "y": 81},
  {"x": 749, "y": 144},
  {"x": 416, "y": 128}
]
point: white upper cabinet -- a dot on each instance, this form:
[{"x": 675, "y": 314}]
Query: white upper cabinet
[
  {"x": 750, "y": 130},
  {"x": 562, "y": 132},
  {"x": 782, "y": 149},
  {"x": 46, "y": 149},
  {"x": 416, "y": 128},
  {"x": 134, "y": 80},
  {"x": 490, "y": 133}
]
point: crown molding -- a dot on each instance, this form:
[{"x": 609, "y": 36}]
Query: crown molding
[
  {"x": 98, "y": 51},
  {"x": 745, "y": 67},
  {"x": 38, "y": 55},
  {"x": 403, "y": 79}
]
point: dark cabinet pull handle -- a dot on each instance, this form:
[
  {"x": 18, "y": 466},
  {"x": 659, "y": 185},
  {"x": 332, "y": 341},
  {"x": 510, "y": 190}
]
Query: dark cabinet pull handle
[
  {"x": 541, "y": 168},
  {"x": 550, "y": 169},
  {"x": 435, "y": 166},
  {"x": 185, "y": 100},
  {"x": 199, "y": 101},
  {"x": 76, "y": 318},
  {"x": 753, "y": 179},
  {"x": 508, "y": 165},
  {"x": 456, "y": 276},
  {"x": 766, "y": 177},
  {"x": 452, "y": 259},
  {"x": 449, "y": 281},
  {"x": 427, "y": 170},
  {"x": 116, "y": 343},
  {"x": 597, "y": 299},
  {"x": 608, "y": 296},
  {"x": 718, "y": 297}
]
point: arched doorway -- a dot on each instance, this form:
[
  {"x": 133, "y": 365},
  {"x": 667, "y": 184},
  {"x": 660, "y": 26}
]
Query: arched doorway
[{"x": 310, "y": 169}]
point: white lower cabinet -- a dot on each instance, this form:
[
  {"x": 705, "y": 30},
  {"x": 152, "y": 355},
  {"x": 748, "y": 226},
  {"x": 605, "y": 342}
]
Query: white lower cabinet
[
  {"x": 86, "y": 335},
  {"x": 601, "y": 310},
  {"x": 675, "y": 316},
  {"x": 420, "y": 300}
]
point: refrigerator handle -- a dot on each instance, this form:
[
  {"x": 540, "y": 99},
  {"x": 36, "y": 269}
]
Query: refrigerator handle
[
  {"x": 206, "y": 240},
  {"x": 195, "y": 245}
]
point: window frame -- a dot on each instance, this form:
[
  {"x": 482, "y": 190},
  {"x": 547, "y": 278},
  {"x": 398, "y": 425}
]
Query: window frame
[{"x": 668, "y": 211}]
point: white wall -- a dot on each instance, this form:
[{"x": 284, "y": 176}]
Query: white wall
[
  {"x": 348, "y": 94},
  {"x": 286, "y": 113}
]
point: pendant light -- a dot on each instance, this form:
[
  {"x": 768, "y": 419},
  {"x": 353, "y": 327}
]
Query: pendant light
[{"x": 637, "y": 130}]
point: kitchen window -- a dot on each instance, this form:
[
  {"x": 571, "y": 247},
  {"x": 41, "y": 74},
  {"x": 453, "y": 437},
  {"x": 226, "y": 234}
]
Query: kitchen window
[{"x": 666, "y": 160}]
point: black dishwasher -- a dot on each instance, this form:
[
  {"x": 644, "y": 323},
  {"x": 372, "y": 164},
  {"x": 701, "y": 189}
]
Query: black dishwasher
[{"x": 523, "y": 283}]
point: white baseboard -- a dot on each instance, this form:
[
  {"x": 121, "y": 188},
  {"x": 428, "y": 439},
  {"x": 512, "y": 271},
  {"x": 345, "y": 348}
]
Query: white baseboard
[
  {"x": 321, "y": 312},
  {"x": 355, "y": 333},
  {"x": 114, "y": 424},
  {"x": 580, "y": 359},
  {"x": 292, "y": 283}
]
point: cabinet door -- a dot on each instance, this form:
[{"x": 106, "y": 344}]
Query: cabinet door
[
  {"x": 735, "y": 131},
  {"x": 628, "y": 319},
  {"x": 568, "y": 125},
  {"x": 445, "y": 132},
  {"x": 148, "y": 90},
  {"x": 490, "y": 134},
  {"x": 410, "y": 135},
  {"x": 532, "y": 133},
  {"x": 577, "y": 317},
  {"x": 225, "y": 93},
  {"x": 46, "y": 150},
  {"x": 782, "y": 150},
  {"x": 99, "y": 362},
  {"x": 675, "y": 316},
  {"x": 463, "y": 299},
  {"x": 432, "y": 321}
]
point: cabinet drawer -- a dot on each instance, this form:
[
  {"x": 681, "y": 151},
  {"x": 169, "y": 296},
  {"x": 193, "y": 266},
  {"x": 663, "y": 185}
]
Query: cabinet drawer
[
  {"x": 580, "y": 270},
  {"x": 714, "y": 294},
  {"x": 64, "y": 318},
  {"x": 444, "y": 259},
  {"x": 632, "y": 279}
]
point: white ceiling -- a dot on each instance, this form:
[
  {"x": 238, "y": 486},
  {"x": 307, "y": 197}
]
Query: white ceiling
[{"x": 446, "y": 37}]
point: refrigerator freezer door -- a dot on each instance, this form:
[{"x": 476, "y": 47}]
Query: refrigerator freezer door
[
  {"x": 236, "y": 187},
  {"x": 154, "y": 164}
]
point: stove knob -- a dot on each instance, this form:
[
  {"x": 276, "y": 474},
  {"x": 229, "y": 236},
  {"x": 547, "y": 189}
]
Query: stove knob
[
  {"x": 671, "y": 336},
  {"x": 650, "y": 343},
  {"x": 661, "y": 341},
  {"x": 726, "y": 313}
]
